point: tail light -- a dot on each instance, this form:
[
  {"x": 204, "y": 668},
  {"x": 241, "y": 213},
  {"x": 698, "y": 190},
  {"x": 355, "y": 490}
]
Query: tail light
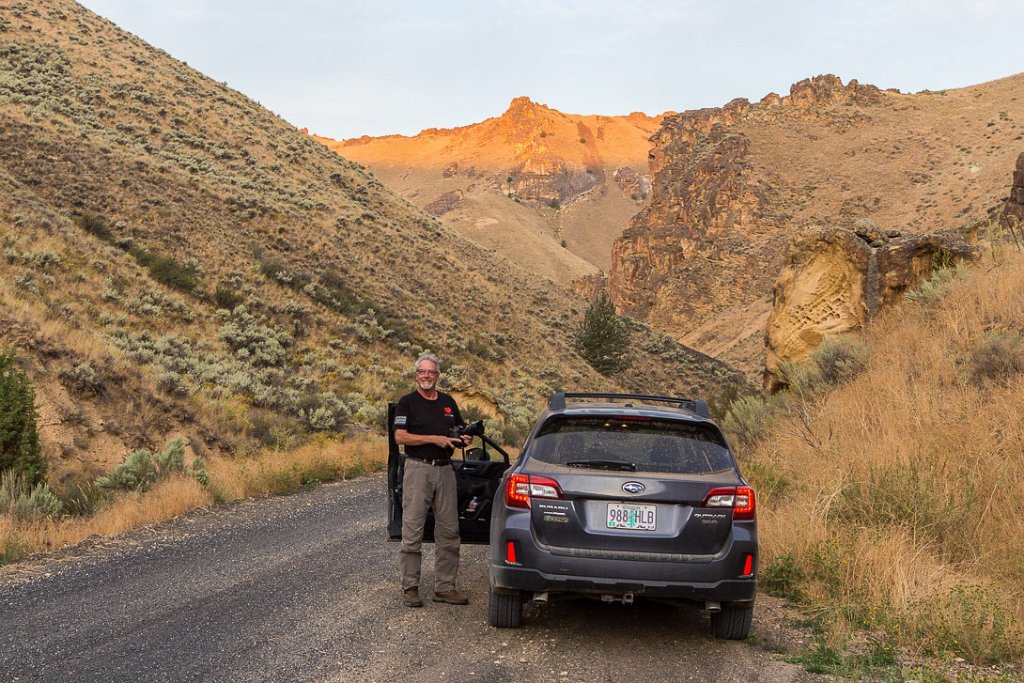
[
  {"x": 522, "y": 487},
  {"x": 748, "y": 566},
  {"x": 739, "y": 498}
]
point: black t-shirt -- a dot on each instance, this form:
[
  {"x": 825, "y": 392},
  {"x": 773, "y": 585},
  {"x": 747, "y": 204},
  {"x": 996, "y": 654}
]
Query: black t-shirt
[{"x": 417, "y": 415}]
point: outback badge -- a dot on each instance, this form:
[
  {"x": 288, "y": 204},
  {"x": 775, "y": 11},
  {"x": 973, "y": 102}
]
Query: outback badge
[{"x": 633, "y": 487}]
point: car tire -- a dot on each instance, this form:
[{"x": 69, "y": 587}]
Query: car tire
[
  {"x": 505, "y": 610},
  {"x": 732, "y": 622}
]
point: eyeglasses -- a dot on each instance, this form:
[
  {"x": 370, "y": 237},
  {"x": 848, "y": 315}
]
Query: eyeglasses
[{"x": 427, "y": 372}]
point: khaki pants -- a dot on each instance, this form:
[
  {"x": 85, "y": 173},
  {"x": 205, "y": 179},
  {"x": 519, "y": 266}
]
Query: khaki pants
[{"x": 426, "y": 486}]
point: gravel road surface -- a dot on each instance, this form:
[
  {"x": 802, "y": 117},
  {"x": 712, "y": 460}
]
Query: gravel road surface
[{"x": 304, "y": 587}]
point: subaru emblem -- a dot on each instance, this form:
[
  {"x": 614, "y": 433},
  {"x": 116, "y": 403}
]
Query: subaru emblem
[{"x": 633, "y": 487}]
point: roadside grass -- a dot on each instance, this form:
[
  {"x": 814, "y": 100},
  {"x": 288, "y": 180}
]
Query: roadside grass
[
  {"x": 269, "y": 473},
  {"x": 276, "y": 473},
  {"x": 891, "y": 498}
]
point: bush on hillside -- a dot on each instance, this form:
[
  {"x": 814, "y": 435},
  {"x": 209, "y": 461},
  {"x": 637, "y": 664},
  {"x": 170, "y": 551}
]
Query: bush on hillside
[
  {"x": 998, "y": 359},
  {"x": 603, "y": 337},
  {"x": 22, "y": 500},
  {"x": 839, "y": 359},
  {"x": 19, "y": 441},
  {"x": 142, "y": 469},
  {"x": 932, "y": 290},
  {"x": 747, "y": 419}
]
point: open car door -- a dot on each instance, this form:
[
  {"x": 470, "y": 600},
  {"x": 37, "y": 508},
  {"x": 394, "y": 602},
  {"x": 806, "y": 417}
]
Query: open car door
[{"x": 478, "y": 473}]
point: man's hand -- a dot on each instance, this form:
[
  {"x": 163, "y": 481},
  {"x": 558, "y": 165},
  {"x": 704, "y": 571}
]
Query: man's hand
[{"x": 449, "y": 442}]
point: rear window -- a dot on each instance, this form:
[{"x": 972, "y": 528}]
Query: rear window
[{"x": 629, "y": 444}]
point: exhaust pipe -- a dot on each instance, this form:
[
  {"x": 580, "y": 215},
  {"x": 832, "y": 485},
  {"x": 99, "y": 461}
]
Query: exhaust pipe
[
  {"x": 540, "y": 598},
  {"x": 713, "y": 606}
]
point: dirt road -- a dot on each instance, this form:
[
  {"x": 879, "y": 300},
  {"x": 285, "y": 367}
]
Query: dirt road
[{"x": 304, "y": 588}]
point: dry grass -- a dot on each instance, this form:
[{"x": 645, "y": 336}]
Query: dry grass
[
  {"x": 272, "y": 472},
  {"x": 167, "y": 499},
  {"x": 901, "y": 505}
]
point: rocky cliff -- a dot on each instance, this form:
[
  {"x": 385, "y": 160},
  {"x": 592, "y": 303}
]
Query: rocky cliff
[
  {"x": 1013, "y": 209},
  {"x": 546, "y": 189},
  {"x": 731, "y": 186},
  {"x": 835, "y": 280}
]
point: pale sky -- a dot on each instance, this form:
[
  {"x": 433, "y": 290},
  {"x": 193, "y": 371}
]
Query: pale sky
[{"x": 344, "y": 69}]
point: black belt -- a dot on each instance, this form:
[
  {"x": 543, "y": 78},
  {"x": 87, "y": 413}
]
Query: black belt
[{"x": 435, "y": 462}]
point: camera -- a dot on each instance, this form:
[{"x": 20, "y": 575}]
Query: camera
[{"x": 472, "y": 429}]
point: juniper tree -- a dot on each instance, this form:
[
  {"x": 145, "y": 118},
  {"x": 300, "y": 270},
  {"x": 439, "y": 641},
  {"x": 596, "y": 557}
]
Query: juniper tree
[
  {"x": 19, "y": 440},
  {"x": 603, "y": 338}
]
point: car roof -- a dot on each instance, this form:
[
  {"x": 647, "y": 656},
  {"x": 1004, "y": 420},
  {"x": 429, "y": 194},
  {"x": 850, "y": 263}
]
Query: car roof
[{"x": 629, "y": 404}]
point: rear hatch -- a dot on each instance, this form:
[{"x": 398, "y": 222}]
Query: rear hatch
[{"x": 627, "y": 486}]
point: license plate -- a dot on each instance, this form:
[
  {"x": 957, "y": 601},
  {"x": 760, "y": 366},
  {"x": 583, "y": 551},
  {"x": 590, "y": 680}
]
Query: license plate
[{"x": 631, "y": 516}]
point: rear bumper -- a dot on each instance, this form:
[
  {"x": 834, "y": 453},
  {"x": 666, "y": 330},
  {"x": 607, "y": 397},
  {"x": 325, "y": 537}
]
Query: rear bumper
[
  {"x": 535, "y": 581},
  {"x": 540, "y": 569}
]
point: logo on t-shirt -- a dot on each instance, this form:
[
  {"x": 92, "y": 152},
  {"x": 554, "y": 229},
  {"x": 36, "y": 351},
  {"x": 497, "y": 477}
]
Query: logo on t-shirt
[
  {"x": 447, "y": 410},
  {"x": 400, "y": 420}
]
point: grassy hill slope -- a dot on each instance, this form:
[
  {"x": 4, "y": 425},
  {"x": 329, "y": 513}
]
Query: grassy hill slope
[
  {"x": 179, "y": 260},
  {"x": 889, "y": 502}
]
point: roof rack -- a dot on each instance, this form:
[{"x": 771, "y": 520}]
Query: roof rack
[{"x": 694, "y": 405}]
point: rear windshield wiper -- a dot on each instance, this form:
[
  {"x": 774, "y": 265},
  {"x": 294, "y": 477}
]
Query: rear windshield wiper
[{"x": 620, "y": 465}]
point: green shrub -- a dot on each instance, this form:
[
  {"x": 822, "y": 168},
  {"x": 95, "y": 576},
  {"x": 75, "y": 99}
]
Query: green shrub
[
  {"x": 514, "y": 432},
  {"x": 22, "y": 500},
  {"x": 170, "y": 273},
  {"x": 171, "y": 458},
  {"x": 95, "y": 225},
  {"x": 932, "y": 290},
  {"x": 81, "y": 498},
  {"x": 142, "y": 469},
  {"x": 227, "y": 298},
  {"x": 81, "y": 379},
  {"x": 748, "y": 419},
  {"x": 839, "y": 359},
  {"x": 136, "y": 473},
  {"x": 253, "y": 342},
  {"x": 801, "y": 379},
  {"x": 782, "y": 578},
  {"x": 19, "y": 441}
]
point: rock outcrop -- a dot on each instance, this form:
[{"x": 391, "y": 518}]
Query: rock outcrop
[
  {"x": 688, "y": 251},
  {"x": 1013, "y": 209},
  {"x": 708, "y": 234},
  {"x": 732, "y": 185},
  {"x": 835, "y": 280}
]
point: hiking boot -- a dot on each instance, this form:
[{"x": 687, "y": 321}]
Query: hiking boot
[
  {"x": 452, "y": 598},
  {"x": 411, "y": 598}
]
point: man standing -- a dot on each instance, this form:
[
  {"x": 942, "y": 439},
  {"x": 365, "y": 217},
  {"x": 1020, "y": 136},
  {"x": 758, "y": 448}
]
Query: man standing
[{"x": 423, "y": 420}]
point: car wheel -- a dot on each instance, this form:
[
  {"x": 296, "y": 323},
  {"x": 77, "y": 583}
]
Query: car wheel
[
  {"x": 732, "y": 622},
  {"x": 505, "y": 610}
]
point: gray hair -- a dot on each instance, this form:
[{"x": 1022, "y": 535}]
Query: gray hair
[{"x": 428, "y": 356}]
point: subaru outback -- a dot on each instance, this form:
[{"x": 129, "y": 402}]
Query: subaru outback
[{"x": 621, "y": 497}]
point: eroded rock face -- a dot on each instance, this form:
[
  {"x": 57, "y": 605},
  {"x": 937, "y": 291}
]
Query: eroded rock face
[
  {"x": 1013, "y": 209},
  {"x": 835, "y": 280},
  {"x": 710, "y": 235},
  {"x": 688, "y": 250}
]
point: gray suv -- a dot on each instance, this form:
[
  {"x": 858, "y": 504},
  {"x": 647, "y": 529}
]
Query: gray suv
[{"x": 619, "y": 497}]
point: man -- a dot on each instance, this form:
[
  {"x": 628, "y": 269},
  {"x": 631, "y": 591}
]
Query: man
[{"x": 423, "y": 420}]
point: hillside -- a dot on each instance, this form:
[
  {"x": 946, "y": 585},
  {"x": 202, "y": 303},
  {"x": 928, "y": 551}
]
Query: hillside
[
  {"x": 179, "y": 260},
  {"x": 732, "y": 186},
  {"x": 885, "y": 501},
  {"x": 523, "y": 182}
]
